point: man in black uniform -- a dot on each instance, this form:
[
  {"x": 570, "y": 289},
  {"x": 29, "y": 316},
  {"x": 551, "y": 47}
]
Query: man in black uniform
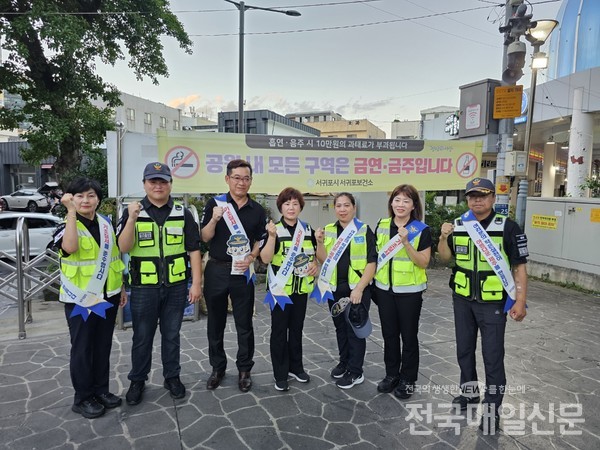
[
  {"x": 162, "y": 239},
  {"x": 479, "y": 298},
  {"x": 231, "y": 256}
]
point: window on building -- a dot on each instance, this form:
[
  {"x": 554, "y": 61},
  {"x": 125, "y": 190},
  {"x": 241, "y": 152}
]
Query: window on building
[
  {"x": 130, "y": 114},
  {"x": 148, "y": 118},
  {"x": 351, "y": 135},
  {"x": 230, "y": 126},
  {"x": 176, "y": 124},
  {"x": 163, "y": 122},
  {"x": 251, "y": 126}
]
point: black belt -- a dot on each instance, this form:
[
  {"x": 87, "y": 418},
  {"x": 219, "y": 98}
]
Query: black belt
[{"x": 220, "y": 262}]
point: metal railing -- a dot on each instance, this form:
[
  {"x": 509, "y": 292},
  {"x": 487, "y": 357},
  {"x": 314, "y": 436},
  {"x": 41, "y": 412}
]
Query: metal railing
[{"x": 27, "y": 278}]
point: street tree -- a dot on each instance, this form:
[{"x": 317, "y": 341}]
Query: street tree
[{"x": 51, "y": 52}]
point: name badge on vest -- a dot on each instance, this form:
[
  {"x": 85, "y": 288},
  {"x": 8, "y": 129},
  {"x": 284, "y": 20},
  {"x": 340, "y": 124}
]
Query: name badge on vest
[
  {"x": 461, "y": 250},
  {"x": 301, "y": 265},
  {"x": 145, "y": 236}
]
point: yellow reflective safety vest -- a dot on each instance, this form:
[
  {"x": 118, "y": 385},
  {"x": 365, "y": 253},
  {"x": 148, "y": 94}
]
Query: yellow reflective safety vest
[
  {"x": 358, "y": 254},
  {"x": 474, "y": 278},
  {"x": 406, "y": 276},
  {"x": 158, "y": 255},
  {"x": 295, "y": 284},
  {"x": 81, "y": 265}
]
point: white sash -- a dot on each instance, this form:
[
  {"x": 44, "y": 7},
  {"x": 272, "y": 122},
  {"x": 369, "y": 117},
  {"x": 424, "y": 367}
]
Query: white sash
[
  {"x": 277, "y": 294},
  {"x": 91, "y": 298},
  {"x": 235, "y": 227},
  {"x": 394, "y": 245},
  {"x": 492, "y": 255},
  {"x": 322, "y": 290}
]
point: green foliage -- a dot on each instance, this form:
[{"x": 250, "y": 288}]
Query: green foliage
[
  {"x": 436, "y": 215},
  {"x": 593, "y": 184},
  {"x": 53, "y": 47}
]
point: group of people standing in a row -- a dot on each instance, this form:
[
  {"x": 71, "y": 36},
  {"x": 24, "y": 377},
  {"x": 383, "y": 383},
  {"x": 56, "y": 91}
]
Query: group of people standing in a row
[{"x": 346, "y": 264}]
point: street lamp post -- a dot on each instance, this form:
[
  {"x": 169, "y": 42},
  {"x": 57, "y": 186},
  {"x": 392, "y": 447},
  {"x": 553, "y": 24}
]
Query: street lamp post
[
  {"x": 537, "y": 35},
  {"x": 242, "y": 7}
]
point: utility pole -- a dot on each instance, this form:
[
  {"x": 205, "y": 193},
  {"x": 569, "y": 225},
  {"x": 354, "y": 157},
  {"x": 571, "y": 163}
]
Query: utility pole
[{"x": 513, "y": 60}]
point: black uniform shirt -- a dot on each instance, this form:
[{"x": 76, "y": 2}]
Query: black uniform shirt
[
  {"x": 343, "y": 264},
  {"x": 514, "y": 240},
  {"x": 253, "y": 218},
  {"x": 191, "y": 233}
]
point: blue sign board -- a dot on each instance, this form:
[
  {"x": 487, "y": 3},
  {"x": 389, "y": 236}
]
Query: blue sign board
[{"x": 501, "y": 208}]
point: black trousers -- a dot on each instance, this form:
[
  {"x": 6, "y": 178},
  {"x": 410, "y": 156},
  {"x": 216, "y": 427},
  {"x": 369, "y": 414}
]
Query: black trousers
[
  {"x": 351, "y": 348},
  {"x": 286, "y": 337},
  {"x": 91, "y": 342},
  {"x": 218, "y": 285},
  {"x": 399, "y": 315},
  {"x": 469, "y": 318}
]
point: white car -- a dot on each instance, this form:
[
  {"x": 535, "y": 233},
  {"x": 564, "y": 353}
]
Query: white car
[
  {"x": 41, "y": 228},
  {"x": 28, "y": 199}
]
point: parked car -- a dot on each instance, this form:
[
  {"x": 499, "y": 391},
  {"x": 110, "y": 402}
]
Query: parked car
[
  {"x": 31, "y": 200},
  {"x": 41, "y": 227}
]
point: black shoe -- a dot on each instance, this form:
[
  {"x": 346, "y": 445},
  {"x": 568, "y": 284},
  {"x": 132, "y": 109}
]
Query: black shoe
[
  {"x": 302, "y": 377},
  {"x": 404, "y": 390},
  {"x": 108, "y": 400},
  {"x": 134, "y": 394},
  {"x": 489, "y": 426},
  {"x": 464, "y": 401},
  {"x": 175, "y": 387},
  {"x": 388, "y": 384},
  {"x": 245, "y": 381},
  {"x": 215, "y": 379},
  {"x": 350, "y": 380},
  {"x": 90, "y": 409},
  {"x": 339, "y": 370},
  {"x": 282, "y": 385}
]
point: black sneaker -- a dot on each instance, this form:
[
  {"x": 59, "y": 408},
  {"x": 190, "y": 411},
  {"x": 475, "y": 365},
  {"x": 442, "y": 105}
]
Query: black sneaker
[
  {"x": 349, "y": 380},
  {"x": 464, "y": 401},
  {"x": 134, "y": 394},
  {"x": 404, "y": 390},
  {"x": 339, "y": 370},
  {"x": 282, "y": 385},
  {"x": 302, "y": 377},
  {"x": 108, "y": 400},
  {"x": 388, "y": 384},
  {"x": 90, "y": 409},
  {"x": 175, "y": 387}
]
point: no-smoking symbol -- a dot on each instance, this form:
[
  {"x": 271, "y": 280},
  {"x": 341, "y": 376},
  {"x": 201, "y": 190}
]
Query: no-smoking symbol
[
  {"x": 182, "y": 161},
  {"x": 466, "y": 165}
]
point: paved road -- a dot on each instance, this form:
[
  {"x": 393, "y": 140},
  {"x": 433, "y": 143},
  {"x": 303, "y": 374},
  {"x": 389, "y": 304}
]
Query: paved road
[{"x": 552, "y": 361}]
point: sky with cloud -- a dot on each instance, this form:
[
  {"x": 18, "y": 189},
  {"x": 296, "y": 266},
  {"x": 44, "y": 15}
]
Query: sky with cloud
[{"x": 375, "y": 59}]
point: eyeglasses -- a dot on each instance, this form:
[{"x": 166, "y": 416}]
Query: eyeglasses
[{"x": 238, "y": 179}]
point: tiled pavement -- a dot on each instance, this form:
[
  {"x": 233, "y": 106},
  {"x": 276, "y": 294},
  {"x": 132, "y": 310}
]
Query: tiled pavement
[{"x": 552, "y": 360}]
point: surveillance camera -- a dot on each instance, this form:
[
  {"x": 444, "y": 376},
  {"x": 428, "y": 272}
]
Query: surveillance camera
[
  {"x": 515, "y": 61},
  {"x": 515, "y": 48},
  {"x": 120, "y": 124}
]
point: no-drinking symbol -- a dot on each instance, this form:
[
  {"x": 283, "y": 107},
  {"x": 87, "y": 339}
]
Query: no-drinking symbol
[{"x": 466, "y": 165}]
